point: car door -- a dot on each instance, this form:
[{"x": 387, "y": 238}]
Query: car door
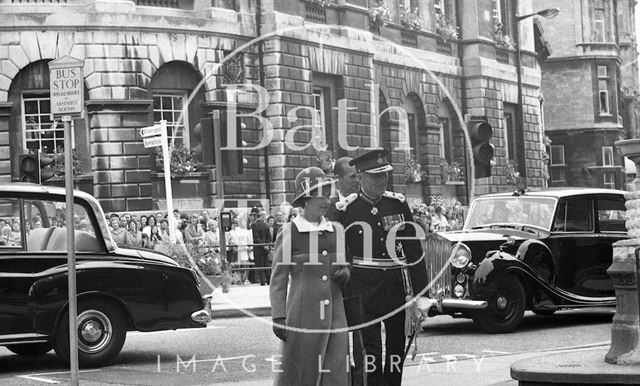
[
  {"x": 610, "y": 227},
  {"x": 17, "y": 313},
  {"x": 574, "y": 243}
]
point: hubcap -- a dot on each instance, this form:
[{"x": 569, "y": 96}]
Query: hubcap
[
  {"x": 91, "y": 331},
  {"x": 94, "y": 331},
  {"x": 501, "y": 302}
]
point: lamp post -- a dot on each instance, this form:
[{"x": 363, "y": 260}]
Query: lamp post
[{"x": 548, "y": 13}]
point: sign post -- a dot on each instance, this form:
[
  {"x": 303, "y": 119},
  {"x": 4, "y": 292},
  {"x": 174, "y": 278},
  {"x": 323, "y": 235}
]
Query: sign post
[
  {"x": 154, "y": 136},
  {"x": 66, "y": 84}
]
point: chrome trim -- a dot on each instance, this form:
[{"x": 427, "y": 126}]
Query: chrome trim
[
  {"x": 204, "y": 315},
  {"x": 462, "y": 303}
]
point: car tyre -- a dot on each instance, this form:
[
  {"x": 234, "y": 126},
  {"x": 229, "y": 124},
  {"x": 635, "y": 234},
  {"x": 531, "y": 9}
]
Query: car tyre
[
  {"x": 102, "y": 330},
  {"x": 505, "y": 309},
  {"x": 30, "y": 349}
]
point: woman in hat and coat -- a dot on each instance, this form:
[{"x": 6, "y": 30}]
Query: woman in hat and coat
[{"x": 306, "y": 317}]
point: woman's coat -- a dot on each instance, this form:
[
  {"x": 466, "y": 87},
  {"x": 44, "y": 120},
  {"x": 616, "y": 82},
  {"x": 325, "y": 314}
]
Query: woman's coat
[{"x": 313, "y": 302}]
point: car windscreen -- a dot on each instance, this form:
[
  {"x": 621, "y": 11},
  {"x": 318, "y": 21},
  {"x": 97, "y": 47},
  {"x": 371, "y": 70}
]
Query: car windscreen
[{"x": 536, "y": 211}]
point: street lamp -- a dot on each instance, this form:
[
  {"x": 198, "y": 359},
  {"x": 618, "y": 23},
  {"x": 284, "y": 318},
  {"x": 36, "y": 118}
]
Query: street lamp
[{"x": 548, "y": 13}]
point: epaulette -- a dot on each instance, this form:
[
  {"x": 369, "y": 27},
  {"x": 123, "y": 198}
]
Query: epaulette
[
  {"x": 345, "y": 202},
  {"x": 394, "y": 195}
]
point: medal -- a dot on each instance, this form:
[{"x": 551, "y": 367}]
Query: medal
[{"x": 374, "y": 211}]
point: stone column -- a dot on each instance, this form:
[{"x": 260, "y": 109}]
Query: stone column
[{"x": 625, "y": 328}]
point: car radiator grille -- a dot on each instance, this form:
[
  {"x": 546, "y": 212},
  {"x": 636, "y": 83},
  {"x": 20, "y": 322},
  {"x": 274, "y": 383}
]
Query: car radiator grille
[{"x": 437, "y": 250}]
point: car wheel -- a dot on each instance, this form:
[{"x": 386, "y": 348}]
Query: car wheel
[
  {"x": 506, "y": 306},
  {"x": 30, "y": 349},
  {"x": 102, "y": 330}
]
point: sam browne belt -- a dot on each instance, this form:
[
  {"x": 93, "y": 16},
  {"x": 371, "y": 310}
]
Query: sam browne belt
[{"x": 376, "y": 263}]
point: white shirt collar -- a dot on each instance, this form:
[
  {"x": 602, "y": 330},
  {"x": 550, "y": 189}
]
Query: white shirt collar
[{"x": 305, "y": 225}]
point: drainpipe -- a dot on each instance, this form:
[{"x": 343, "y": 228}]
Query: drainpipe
[
  {"x": 267, "y": 175},
  {"x": 463, "y": 93}
]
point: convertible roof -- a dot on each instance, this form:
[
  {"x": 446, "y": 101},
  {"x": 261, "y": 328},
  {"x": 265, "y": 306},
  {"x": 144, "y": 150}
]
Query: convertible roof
[{"x": 558, "y": 192}]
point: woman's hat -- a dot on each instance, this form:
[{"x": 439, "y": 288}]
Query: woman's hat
[{"x": 312, "y": 182}]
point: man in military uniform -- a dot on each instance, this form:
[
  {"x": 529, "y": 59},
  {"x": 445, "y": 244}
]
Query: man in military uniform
[{"x": 377, "y": 269}]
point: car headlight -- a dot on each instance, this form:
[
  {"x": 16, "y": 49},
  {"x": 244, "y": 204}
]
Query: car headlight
[{"x": 460, "y": 255}]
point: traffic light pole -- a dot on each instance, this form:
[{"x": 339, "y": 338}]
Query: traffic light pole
[{"x": 71, "y": 253}]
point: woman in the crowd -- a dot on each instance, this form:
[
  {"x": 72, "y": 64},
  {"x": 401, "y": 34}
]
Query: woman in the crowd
[
  {"x": 212, "y": 235},
  {"x": 154, "y": 237},
  {"x": 151, "y": 222},
  {"x": 133, "y": 237},
  {"x": 118, "y": 234},
  {"x": 439, "y": 222},
  {"x": 14, "y": 239},
  {"x": 193, "y": 232},
  {"x": 318, "y": 358}
]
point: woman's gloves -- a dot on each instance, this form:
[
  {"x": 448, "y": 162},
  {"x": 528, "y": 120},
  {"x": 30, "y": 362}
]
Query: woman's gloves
[
  {"x": 280, "y": 332},
  {"x": 342, "y": 275}
]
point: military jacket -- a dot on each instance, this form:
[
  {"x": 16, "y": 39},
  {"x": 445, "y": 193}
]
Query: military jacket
[{"x": 381, "y": 215}]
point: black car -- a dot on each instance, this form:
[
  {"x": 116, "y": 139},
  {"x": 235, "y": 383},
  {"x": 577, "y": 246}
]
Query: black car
[
  {"x": 541, "y": 251},
  {"x": 118, "y": 289}
]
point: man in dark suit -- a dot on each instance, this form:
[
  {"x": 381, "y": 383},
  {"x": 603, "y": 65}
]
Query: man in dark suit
[
  {"x": 347, "y": 183},
  {"x": 261, "y": 235},
  {"x": 382, "y": 275}
]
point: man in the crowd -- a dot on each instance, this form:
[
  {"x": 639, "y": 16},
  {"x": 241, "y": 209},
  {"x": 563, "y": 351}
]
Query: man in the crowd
[
  {"x": 347, "y": 183},
  {"x": 262, "y": 237},
  {"x": 383, "y": 276}
]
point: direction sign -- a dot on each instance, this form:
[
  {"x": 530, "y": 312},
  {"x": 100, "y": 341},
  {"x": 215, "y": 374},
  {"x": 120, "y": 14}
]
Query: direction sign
[
  {"x": 66, "y": 85},
  {"x": 151, "y": 131},
  {"x": 152, "y": 142}
]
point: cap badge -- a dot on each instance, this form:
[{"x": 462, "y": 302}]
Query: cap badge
[{"x": 374, "y": 211}]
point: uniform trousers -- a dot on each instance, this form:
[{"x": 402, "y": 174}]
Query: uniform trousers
[{"x": 391, "y": 374}]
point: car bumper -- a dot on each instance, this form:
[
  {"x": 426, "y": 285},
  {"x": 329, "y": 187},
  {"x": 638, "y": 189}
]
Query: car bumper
[
  {"x": 464, "y": 304},
  {"x": 447, "y": 305},
  {"x": 203, "y": 316}
]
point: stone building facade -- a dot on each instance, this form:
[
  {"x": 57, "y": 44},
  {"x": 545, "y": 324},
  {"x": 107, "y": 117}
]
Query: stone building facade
[
  {"x": 337, "y": 77},
  {"x": 590, "y": 87}
]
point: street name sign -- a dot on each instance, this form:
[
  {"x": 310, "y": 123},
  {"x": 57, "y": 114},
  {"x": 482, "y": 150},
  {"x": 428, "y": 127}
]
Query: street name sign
[
  {"x": 151, "y": 131},
  {"x": 66, "y": 85},
  {"x": 152, "y": 142}
]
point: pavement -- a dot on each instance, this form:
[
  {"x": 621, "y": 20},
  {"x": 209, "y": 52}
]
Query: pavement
[{"x": 253, "y": 300}]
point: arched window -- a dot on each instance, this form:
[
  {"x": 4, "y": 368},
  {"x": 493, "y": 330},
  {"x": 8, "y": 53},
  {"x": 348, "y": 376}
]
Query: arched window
[
  {"x": 171, "y": 86},
  {"x": 31, "y": 126}
]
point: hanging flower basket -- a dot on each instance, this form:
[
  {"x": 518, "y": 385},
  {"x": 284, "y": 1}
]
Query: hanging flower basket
[
  {"x": 451, "y": 172},
  {"x": 502, "y": 39},
  {"x": 378, "y": 13},
  {"x": 411, "y": 19},
  {"x": 447, "y": 30},
  {"x": 183, "y": 160},
  {"x": 413, "y": 171},
  {"x": 325, "y": 161}
]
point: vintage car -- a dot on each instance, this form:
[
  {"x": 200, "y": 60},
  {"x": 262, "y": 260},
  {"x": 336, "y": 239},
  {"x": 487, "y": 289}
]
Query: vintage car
[
  {"x": 541, "y": 251},
  {"x": 119, "y": 289}
]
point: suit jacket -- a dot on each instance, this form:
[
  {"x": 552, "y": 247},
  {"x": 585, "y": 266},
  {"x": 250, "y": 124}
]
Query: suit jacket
[{"x": 261, "y": 235}]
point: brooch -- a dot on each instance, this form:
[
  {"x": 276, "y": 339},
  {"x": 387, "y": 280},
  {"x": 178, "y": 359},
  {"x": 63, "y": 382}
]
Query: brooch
[{"x": 374, "y": 211}]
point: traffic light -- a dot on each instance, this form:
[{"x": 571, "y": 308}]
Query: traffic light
[
  {"x": 33, "y": 168},
  {"x": 480, "y": 132},
  {"x": 29, "y": 165},
  {"x": 46, "y": 173},
  {"x": 232, "y": 163}
]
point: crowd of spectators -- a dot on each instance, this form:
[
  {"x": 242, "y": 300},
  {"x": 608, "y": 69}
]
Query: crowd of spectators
[{"x": 438, "y": 218}]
